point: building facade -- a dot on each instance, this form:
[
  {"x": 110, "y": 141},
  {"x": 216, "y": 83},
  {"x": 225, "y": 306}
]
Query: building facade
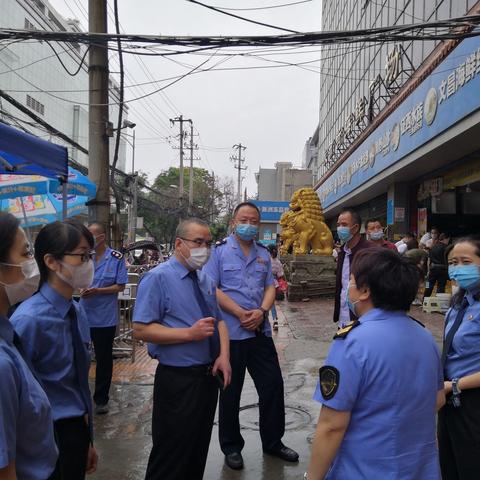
[
  {"x": 399, "y": 122},
  {"x": 32, "y": 73},
  {"x": 279, "y": 184}
]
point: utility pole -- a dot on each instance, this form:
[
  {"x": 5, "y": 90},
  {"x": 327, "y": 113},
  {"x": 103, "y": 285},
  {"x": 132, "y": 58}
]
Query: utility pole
[
  {"x": 212, "y": 207},
  {"x": 238, "y": 165},
  {"x": 133, "y": 196},
  {"x": 190, "y": 179},
  {"x": 98, "y": 157},
  {"x": 193, "y": 147},
  {"x": 181, "y": 121}
]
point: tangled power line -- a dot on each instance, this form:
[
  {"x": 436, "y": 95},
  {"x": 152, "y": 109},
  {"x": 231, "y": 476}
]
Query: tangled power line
[{"x": 455, "y": 28}]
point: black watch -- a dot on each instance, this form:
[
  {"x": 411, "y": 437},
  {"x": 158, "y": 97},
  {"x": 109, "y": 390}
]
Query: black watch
[{"x": 262, "y": 310}]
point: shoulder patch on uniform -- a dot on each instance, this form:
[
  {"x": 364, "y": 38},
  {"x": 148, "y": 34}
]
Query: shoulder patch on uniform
[
  {"x": 418, "y": 321},
  {"x": 261, "y": 245},
  {"x": 116, "y": 254},
  {"x": 223, "y": 241},
  {"x": 343, "y": 332},
  {"x": 329, "y": 380}
]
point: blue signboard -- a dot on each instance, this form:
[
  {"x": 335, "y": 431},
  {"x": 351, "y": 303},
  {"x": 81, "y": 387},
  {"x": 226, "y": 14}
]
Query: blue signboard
[
  {"x": 271, "y": 211},
  {"x": 448, "y": 94},
  {"x": 389, "y": 212}
]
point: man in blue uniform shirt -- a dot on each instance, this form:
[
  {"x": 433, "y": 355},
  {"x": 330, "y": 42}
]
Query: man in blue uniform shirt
[
  {"x": 241, "y": 269},
  {"x": 100, "y": 302},
  {"x": 177, "y": 312}
]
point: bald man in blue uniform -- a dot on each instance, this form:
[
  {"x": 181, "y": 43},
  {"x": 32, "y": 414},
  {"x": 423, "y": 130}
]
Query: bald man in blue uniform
[{"x": 242, "y": 272}]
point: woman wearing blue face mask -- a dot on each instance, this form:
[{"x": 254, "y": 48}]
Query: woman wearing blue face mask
[
  {"x": 55, "y": 334},
  {"x": 381, "y": 383},
  {"x": 27, "y": 444},
  {"x": 459, "y": 419}
]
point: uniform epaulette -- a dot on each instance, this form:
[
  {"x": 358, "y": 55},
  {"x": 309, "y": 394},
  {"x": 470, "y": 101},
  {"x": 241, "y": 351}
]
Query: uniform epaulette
[
  {"x": 221, "y": 242},
  {"x": 261, "y": 245},
  {"x": 116, "y": 254},
  {"x": 343, "y": 332},
  {"x": 418, "y": 321}
]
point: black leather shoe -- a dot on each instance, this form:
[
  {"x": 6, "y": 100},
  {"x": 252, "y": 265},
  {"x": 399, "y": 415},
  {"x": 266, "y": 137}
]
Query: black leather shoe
[
  {"x": 234, "y": 460},
  {"x": 284, "y": 453}
]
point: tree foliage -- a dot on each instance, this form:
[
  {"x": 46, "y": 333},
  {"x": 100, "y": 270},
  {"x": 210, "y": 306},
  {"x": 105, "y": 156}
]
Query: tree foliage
[{"x": 162, "y": 208}]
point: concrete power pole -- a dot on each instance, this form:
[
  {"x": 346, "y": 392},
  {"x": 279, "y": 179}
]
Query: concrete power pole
[
  {"x": 181, "y": 121},
  {"x": 98, "y": 141},
  {"x": 238, "y": 165},
  {"x": 190, "y": 180}
]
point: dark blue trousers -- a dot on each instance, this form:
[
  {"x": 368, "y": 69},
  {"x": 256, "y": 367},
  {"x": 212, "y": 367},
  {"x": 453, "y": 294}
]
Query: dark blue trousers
[{"x": 259, "y": 357}]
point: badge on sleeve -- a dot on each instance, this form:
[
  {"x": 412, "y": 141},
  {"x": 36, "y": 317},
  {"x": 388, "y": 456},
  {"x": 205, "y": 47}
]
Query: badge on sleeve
[
  {"x": 329, "y": 380},
  {"x": 116, "y": 254}
]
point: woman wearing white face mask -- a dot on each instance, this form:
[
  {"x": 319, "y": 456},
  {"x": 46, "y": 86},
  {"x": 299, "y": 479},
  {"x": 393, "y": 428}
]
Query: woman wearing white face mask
[
  {"x": 55, "y": 334},
  {"x": 27, "y": 444}
]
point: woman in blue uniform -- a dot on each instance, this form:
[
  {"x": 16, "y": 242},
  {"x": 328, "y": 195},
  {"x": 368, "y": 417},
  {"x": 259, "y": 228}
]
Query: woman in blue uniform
[
  {"x": 55, "y": 334},
  {"x": 459, "y": 419},
  {"x": 27, "y": 444},
  {"x": 381, "y": 383}
]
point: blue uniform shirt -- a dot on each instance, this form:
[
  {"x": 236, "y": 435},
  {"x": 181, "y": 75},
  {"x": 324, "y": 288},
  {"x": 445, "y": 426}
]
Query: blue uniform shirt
[
  {"x": 102, "y": 309},
  {"x": 464, "y": 355},
  {"x": 26, "y": 425},
  {"x": 243, "y": 279},
  {"x": 44, "y": 326},
  {"x": 166, "y": 296},
  {"x": 389, "y": 374}
]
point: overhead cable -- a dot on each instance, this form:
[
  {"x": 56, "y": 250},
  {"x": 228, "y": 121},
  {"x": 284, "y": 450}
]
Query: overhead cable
[
  {"x": 215, "y": 9},
  {"x": 455, "y": 28}
]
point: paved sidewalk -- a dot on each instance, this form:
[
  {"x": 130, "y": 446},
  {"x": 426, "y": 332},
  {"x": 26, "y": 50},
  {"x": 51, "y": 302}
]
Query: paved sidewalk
[{"x": 123, "y": 437}]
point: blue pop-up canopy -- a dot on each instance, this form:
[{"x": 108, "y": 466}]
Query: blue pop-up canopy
[{"x": 25, "y": 154}]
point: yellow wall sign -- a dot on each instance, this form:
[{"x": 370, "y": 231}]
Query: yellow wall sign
[{"x": 469, "y": 172}]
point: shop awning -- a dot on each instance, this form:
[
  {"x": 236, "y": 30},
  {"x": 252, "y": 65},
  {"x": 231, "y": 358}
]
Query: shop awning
[{"x": 25, "y": 154}]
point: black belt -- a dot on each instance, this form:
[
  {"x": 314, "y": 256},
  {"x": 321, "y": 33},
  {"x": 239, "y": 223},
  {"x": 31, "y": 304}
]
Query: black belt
[{"x": 194, "y": 370}]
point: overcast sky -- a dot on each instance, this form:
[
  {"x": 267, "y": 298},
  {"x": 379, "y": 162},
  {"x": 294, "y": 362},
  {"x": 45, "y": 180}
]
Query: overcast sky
[{"x": 271, "y": 111}]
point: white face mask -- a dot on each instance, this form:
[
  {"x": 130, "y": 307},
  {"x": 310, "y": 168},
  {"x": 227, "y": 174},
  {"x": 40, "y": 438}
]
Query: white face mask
[
  {"x": 198, "y": 257},
  {"x": 81, "y": 276},
  {"x": 17, "y": 292}
]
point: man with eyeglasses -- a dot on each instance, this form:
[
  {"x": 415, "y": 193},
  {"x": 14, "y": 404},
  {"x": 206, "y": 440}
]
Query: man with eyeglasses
[
  {"x": 100, "y": 302},
  {"x": 177, "y": 313},
  {"x": 242, "y": 271}
]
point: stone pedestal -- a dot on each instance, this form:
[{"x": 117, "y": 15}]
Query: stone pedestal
[{"x": 309, "y": 276}]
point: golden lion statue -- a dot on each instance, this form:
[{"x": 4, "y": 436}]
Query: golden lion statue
[{"x": 303, "y": 226}]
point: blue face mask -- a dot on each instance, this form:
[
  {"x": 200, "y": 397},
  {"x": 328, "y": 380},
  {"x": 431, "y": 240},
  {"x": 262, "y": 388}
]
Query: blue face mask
[
  {"x": 467, "y": 276},
  {"x": 350, "y": 304},
  {"x": 376, "y": 235},
  {"x": 344, "y": 234},
  {"x": 246, "y": 232}
]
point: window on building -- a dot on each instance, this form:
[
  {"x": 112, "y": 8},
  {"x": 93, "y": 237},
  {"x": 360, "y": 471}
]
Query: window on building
[
  {"x": 40, "y": 5},
  {"x": 29, "y": 25},
  {"x": 35, "y": 105}
]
